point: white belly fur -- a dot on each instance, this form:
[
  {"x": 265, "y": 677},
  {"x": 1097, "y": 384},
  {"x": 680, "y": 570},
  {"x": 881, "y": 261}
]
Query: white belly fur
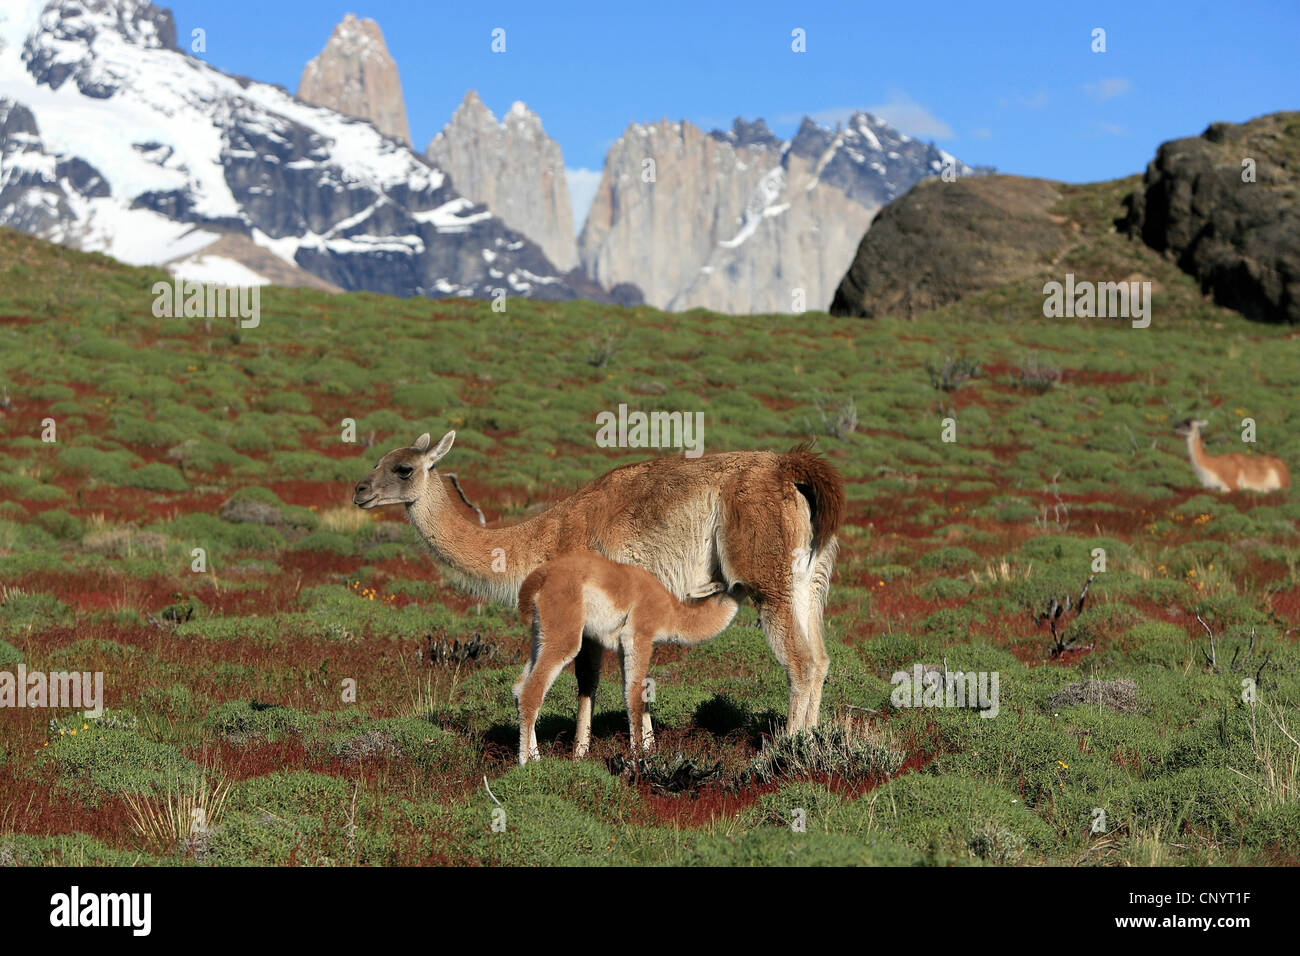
[{"x": 604, "y": 621}]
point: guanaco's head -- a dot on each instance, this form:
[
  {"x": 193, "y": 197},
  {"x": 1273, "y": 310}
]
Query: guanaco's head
[
  {"x": 403, "y": 475},
  {"x": 1189, "y": 426},
  {"x": 718, "y": 593}
]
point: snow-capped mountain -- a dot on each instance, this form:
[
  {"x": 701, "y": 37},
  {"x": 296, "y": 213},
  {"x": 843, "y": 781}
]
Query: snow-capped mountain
[
  {"x": 741, "y": 220},
  {"x": 114, "y": 139}
]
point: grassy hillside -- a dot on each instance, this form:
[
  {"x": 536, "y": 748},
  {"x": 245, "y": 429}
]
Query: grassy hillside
[{"x": 175, "y": 434}]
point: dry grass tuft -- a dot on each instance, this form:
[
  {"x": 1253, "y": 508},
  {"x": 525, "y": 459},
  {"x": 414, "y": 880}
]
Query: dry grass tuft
[
  {"x": 850, "y": 748},
  {"x": 1003, "y": 571},
  {"x": 1277, "y": 755},
  {"x": 124, "y": 541},
  {"x": 346, "y": 519},
  {"x": 184, "y": 815}
]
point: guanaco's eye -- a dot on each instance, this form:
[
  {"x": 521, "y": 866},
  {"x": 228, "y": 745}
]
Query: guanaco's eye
[{"x": 403, "y": 471}]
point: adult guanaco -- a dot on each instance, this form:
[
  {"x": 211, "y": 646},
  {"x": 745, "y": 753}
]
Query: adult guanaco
[
  {"x": 759, "y": 519},
  {"x": 1233, "y": 471}
]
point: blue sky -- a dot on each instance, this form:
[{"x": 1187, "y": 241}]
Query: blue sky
[{"x": 1012, "y": 85}]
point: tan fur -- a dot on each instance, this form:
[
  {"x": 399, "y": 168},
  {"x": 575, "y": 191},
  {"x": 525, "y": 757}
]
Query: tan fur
[
  {"x": 1233, "y": 471},
  {"x": 621, "y": 607},
  {"x": 759, "y": 520}
]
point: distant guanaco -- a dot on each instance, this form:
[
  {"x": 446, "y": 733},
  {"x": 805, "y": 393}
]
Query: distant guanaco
[
  {"x": 1231, "y": 472},
  {"x": 623, "y": 607}
]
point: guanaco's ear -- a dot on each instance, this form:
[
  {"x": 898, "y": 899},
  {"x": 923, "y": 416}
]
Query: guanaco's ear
[
  {"x": 444, "y": 446},
  {"x": 706, "y": 590},
  {"x": 421, "y": 443}
]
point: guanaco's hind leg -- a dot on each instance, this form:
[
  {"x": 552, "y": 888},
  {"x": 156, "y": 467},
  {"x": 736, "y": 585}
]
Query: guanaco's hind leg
[
  {"x": 587, "y": 669},
  {"x": 778, "y": 621},
  {"x": 554, "y": 645},
  {"x": 815, "y": 588},
  {"x": 776, "y": 568}
]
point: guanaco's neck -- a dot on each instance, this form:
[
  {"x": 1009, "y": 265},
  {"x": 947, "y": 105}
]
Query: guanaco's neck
[
  {"x": 697, "y": 621},
  {"x": 491, "y": 562},
  {"x": 1196, "y": 450}
]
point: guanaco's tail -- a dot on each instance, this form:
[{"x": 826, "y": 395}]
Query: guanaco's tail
[{"x": 818, "y": 482}]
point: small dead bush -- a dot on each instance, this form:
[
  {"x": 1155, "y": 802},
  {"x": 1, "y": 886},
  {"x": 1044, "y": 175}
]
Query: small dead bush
[
  {"x": 1036, "y": 376},
  {"x": 678, "y": 775},
  {"x": 953, "y": 373},
  {"x": 372, "y": 743},
  {"x": 250, "y": 512},
  {"x": 996, "y": 844},
  {"x": 439, "y": 650},
  {"x": 1119, "y": 695},
  {"x": 839, "y": 418}
]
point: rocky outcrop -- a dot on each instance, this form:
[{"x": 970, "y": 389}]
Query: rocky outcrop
[
  {"x": 513, "y": 168},
  {"x": 943, "y": 241},
  {"x": 354, "y": 75},
  {"x": 1240, "y": 238},
  {"x": 742, "y": 221}
]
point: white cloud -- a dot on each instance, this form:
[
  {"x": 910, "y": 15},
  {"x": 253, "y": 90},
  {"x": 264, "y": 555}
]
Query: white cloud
[
  {"x": 1109, "y": 87},
  {"x": 901, "y": 112},
  {"x": 583, "y": 184},
  {"x": 1032, "y": 101},
  {"x": 1112, "y": 129},
  {"x": 910, "y": 117},
  {"x": 982, "y": 133},
  {"x": 826, "y": 117}
]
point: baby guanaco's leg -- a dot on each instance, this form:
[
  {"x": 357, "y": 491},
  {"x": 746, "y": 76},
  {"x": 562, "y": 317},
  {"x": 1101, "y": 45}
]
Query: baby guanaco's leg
[
  {"x": 556, "y": 641},
  {"x": 587, "y": 669}
]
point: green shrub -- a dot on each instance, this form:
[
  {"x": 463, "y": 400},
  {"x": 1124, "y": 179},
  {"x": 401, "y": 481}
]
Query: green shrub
[
  {"x": 585, "y": 786},
  {"x": 97, "y": 761},
  {"x": 940, "y": 813},
  {"x": 542, "y": 829},
  {"x": 290, "y": 793},
  {"x": 108, "y": 466},
  {"x": 156, "y": 477},
  {"x": 60, "y": 524},
  {"x": 945, "y": 588},
  {"x": 330, "y": 541},
  {"x": 242, "y": 721},
  {"x": 946, "y": 559},
  {"x": 781, "y": 846},
  {"x": 33, "y": 610}
]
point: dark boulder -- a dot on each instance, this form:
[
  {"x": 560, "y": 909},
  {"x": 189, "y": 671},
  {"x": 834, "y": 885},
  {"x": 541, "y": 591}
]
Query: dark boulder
[
  {"x": 1240, "y": 239},
  {"x": 943, "y": 241}
]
